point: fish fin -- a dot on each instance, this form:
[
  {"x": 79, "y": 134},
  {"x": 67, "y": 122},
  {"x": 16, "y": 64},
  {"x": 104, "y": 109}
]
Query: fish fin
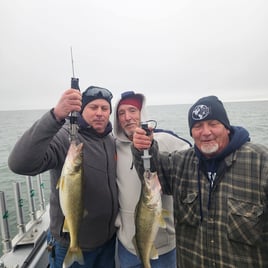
[
  {"x": 73, "y": 254},
  {"x": 162, "y": 222},
  {"x": 135, "y": 246},
  {"x": 65, "y": 226},
  {"x": 153, "y": 253},
  {"x": 165, "y": 213},
  {"x": 60, "y": 183}
]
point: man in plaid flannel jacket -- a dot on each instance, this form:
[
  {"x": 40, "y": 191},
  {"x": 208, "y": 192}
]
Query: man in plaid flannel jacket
[{"x": 220, "y": 190}]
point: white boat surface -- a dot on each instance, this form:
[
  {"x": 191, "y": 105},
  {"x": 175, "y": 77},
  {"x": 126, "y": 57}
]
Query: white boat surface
[{"x": 28, "y": 247}]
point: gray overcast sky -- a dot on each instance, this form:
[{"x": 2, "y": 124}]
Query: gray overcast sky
[{"x": 173, "y": 51}]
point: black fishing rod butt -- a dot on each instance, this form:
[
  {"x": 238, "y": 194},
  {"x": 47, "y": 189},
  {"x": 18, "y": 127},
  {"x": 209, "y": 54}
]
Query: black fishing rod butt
[{"x": 75, "y": 83}]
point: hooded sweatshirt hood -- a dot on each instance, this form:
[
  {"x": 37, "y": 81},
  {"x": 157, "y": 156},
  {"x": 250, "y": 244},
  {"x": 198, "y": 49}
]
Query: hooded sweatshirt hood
[
  {"x": 238, "y": 136},
  {"x": 118, "y": 131}
]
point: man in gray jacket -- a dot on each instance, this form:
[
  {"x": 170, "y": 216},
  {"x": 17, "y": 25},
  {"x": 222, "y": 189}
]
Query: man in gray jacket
[
  {"x": 44, "y": 147},
  {"x": 129, "y": 113}
]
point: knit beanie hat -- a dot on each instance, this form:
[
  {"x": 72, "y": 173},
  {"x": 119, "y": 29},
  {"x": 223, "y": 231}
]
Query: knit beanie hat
[
  {"x": 131, "y": 98},
  {"x": 208, "y": 108},
  {"x": 93, "y": 93}
]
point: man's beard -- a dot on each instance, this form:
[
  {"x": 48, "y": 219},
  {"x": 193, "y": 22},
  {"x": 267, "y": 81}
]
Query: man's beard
[
  {"x": 129, "y": 134},
  {"x": 209, "y": 148}
]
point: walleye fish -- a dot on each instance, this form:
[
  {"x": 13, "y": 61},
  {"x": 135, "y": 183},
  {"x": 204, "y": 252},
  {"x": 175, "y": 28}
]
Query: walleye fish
[
  {"x": 70, "y": 187},
  {"x": 149, "y": 216}
]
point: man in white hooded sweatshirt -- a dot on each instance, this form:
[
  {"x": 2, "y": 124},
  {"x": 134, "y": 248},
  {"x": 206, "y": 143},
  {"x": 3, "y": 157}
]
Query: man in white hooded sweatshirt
[{"x": 129, "y": 113}]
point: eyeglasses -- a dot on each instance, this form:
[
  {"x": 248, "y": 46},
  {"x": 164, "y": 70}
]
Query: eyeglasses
[{"x": 98, "y": 92}]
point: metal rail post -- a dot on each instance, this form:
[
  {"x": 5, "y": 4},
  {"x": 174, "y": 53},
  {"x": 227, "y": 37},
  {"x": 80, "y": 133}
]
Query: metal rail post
[
  {"x": 31, "y": 194},
  {"x": 19, "y": 205},
  {"x": 6, "y": 240},
  {"x": 41, "y": 192}
]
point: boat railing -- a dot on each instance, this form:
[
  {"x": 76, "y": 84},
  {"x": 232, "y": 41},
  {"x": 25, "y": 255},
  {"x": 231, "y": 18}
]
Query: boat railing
[{"x": 25, "y": 231}]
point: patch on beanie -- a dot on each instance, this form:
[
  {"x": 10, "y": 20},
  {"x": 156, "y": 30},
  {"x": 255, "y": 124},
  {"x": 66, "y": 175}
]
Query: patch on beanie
[{"x": 200, "y": 112}]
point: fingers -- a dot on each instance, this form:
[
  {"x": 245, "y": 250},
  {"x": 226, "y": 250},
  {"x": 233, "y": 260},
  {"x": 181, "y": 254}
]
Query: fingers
[
  {"x": 140, "y": 140},
  {"x": 71, "y": 100}
]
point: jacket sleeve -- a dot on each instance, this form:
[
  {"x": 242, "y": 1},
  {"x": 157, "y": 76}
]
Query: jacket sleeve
[{"x": 36, "y": 151}]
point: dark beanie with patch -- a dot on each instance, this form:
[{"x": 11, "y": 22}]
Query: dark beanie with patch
[
  {"x": 93, "y": 93},
  {"x": 208, "y": 108}
]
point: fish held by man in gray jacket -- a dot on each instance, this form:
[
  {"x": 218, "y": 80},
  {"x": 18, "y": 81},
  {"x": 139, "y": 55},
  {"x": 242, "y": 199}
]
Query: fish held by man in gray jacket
[
  {"x": 149, "y": 216},
  {"x": 70, "y": 187}
]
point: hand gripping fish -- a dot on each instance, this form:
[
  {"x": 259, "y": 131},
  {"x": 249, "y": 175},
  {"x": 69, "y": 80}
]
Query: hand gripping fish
[
  {"x": 149, "y": 216},
  {"x": 70, "y": 187}
]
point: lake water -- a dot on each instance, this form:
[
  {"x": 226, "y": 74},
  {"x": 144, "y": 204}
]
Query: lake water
[{"x": 251, "y": 115}]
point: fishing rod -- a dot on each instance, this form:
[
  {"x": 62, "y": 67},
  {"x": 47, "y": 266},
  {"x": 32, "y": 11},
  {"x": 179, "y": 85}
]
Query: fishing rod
[{"x": 73, "y": 115}]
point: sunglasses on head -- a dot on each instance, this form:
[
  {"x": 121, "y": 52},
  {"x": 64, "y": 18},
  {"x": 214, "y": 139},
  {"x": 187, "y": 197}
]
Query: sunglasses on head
[{"x": 98, "y": 92}]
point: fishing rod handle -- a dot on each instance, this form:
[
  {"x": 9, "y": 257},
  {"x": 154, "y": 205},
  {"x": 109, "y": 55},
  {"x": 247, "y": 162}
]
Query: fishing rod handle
[{"x": 75, "y": 83}]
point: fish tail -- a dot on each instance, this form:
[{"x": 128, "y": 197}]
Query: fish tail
[
  {"x": 73, "y": 254},
  {"x": 147, "y": 264}
]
